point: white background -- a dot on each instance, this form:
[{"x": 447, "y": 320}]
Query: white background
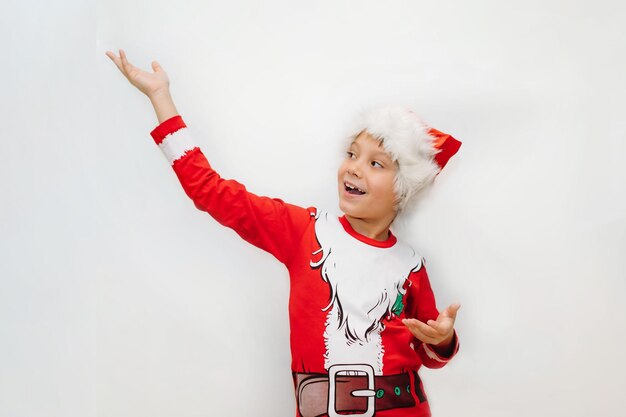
[{"x": 119, "y": 298}]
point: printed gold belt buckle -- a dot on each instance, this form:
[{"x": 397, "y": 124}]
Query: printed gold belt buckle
[{"x": 370, "y": 392}]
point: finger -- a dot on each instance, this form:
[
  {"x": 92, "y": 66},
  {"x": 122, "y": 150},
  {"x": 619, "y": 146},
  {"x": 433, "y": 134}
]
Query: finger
[
  {"x": 427, "y": 330},
  {"x": 156, "y": 66},
  {"x": 441, "y": 327},
  {"x": 120, "y": 66},
  {"x": 418, "y": 333},
  {"x": 425, "y": 338},
  {"x": 443, "y": 330},
  {"x": 115, "y": 59},
  {"x": 127, "y": 66},
  {"x": 424, "y": 328}
]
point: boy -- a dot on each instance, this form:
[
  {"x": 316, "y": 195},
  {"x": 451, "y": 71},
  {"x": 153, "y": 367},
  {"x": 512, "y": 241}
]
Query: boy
[{"x": 362, "y": 313}]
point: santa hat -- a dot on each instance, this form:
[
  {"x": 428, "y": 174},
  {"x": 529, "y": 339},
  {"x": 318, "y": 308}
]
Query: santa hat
[{"x": 420, "y": 151}]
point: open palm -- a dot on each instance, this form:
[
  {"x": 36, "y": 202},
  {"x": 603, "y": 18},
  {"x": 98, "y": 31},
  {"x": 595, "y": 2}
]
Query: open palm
[
  {"x": 149, "y": 83},
  {"x": 434, "y": 331}
]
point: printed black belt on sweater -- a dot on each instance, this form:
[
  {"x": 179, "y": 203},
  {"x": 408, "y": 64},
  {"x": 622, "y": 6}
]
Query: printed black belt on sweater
[{"x": 358, "y": 392}]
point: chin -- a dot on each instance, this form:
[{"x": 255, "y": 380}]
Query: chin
[
  {"x": 346, "y": 209},
  {"x": 342, "y": 207}
]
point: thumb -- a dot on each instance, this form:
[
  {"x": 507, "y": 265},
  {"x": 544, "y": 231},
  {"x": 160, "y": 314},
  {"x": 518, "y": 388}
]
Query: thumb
[
  {"x": 452, "y": 310},
  {"x": 156, "y": 66}
]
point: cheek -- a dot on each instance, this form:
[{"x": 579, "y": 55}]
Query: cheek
[
  {"x": 386, "y": 188},
  {"x": 340, "y": 176},
  {"x": 341, "y": 170}
]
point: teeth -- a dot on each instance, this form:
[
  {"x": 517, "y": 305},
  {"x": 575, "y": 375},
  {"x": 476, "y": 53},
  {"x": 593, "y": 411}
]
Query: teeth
[{"x": 351, "y": 187}]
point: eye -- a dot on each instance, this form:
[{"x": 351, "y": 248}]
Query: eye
[
  {"x": 377, "y": 164},
  {"x": 350, "y": 154}
]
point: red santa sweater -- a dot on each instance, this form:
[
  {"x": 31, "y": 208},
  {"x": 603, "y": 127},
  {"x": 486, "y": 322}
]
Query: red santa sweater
[{"x": 351, "y": 354}]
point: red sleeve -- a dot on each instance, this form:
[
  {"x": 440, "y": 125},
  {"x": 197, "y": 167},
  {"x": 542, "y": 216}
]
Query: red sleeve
[
  {"x": 424, "y": 308},
  {"x": 268, "y": 223}
]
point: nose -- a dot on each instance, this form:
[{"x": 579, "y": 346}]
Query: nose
[{"x": 354, "y": 168}]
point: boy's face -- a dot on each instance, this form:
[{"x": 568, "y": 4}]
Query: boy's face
[{"x": 365, "y": 180}]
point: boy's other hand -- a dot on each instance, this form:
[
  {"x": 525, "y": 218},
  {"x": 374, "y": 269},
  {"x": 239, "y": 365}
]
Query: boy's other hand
[
  {"x": 438, "y": 332},
  {"x": 149, "y": 83}
]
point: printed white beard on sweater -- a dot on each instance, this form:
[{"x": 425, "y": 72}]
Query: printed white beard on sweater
[{"x": 364, "y": 281}]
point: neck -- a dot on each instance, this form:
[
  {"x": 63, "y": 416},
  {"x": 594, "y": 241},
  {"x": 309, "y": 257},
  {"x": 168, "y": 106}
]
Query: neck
[{"x": 374, "y": 229}]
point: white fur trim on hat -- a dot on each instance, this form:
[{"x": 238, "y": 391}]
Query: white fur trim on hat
[{"x": 405, "y": 137}]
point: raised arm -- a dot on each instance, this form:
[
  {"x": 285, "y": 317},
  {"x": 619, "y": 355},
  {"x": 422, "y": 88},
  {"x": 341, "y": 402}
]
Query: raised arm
[{"x": 268, "y": 223}]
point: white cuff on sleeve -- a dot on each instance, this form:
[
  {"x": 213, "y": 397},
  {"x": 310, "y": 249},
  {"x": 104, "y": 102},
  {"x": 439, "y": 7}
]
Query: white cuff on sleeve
[
  {"x": 432, "y": 355},
  {"x": 177, "y": 144}
]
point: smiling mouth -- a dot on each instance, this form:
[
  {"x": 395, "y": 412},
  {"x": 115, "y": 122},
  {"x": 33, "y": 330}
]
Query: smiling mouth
[{"x": 352, "y": 189}]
